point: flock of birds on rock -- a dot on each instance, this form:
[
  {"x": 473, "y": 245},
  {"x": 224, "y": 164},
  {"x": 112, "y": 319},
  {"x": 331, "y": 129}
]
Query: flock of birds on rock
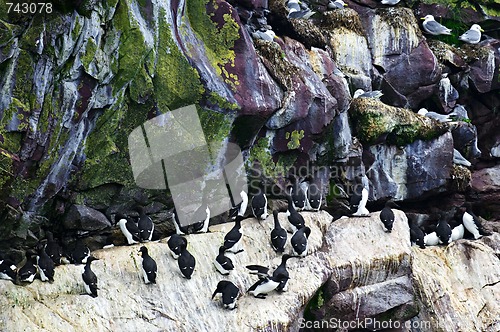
[
  {"x": 302, "y": 195},
  {"x": 301, "y": 10}
]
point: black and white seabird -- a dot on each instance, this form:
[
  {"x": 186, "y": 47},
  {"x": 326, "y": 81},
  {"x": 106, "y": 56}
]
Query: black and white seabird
[
  {"x": 443, "y": 230},
  {"x": 297, "y": 193},
  {"x": 80, "y": 254},
  {"x": 53, "y": 249},
  {"x": 313, "y": 195},
  {"x": 128, "y": 228},
  {"x": 7, "y": 269},
  {"x": 296, "y": 220},
  {"x": 263, "y": 272},
  {"x": 186, "y": 263},
  {"x": 222, "y": 263},
  {"x": 145, "y": 224},
  {"x": 278, "y": 235},
  {"x": 27, "y": 273},
  {"x": 177, "y": 243},
  {"x": 233, "y": 239},
  {"x": 472, "y": 222},
  {"x": 266, "y": 285},
  {"x": 457, "y": 232},
  {"x": 358, "y": 203},
  {"x": 230, "y": 293},
  {"x": 201, "y": 218},
  {"x": 431, "y": 239},
  {"x": 149, "y": 267},
  {"x": 179, "y": 229},
  {"x": 89, "y": 278},
  {"x": 259, "y": 204},
  {"x": 299, "y": 241},
  {"x": 417, "y": 235},
  {"x": 240, "y": 208},
  {"x": 45, "y": 265},
  {"x": 387, "y": 215}
]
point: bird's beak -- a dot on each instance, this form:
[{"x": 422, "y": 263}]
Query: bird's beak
[
  {"x": 481, "y": 29},
  {"x": 422, "y": 18},
  {"x": 345, "y": 5}
]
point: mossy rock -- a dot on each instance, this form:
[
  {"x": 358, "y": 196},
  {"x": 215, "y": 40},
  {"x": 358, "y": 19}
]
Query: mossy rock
[
  {"x": 374, "y": 120},
  {"x": 275, "y": 60},
  {"x": 343, "y": 18},
  {"x": 308, "y": 33}
]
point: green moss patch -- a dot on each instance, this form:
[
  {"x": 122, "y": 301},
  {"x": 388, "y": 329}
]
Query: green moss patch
[
  {"x": 132, "y": 51},
  {"x": 216, "y": 127},
  {"x": 218, "y": 39},
  {"x": 372, "y": 119},
  {"x": 260, "y": 154},
  {"x": 176, "y": 82},
  {"x": 294, "y": 137}
]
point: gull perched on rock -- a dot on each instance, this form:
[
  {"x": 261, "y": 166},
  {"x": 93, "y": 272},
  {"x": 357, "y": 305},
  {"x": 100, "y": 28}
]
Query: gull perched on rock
[
  {"x": 434, "y": 28},
  {"x": 264, "y": 34},
  {"x": 293, "y": 5},
  {"x": 360, "y": 93},
  {"x": 473, "y": 35},
  {"x": 337, "y": 4},
  {"x": 304, "y": 13},
  {"x": 436, "y": 116},
  {"x": 389, "y": 2}
]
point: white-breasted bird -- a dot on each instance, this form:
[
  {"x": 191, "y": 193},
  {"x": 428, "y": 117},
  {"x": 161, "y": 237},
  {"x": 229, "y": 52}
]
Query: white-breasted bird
[
  {"x": 473, "y": 35},
  {"x": 434, "y": 28}
]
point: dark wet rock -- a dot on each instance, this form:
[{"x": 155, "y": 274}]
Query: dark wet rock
[
  {"x": 465, "y": 139},
  {"x": 485, "y": 184},
  {"x": 487, "y": 121},
  {"x": 414, "y": 75},
  {"x": 408, "y": 172},
  {"x": 484, "y": 67},
  {"x": 83, "y": 218}
]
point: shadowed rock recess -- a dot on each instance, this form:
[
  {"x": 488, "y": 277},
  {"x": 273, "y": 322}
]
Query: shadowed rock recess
[{"x": 76, "y": 81}]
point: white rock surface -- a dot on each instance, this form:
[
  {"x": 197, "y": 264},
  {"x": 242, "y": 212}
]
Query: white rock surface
[{"x": 125, "y": 303}]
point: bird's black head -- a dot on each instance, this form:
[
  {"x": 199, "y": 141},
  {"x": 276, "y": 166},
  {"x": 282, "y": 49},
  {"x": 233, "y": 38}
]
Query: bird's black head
[
  {"x": 49, "y": 236},
  {"x": 275, "y": 214},
  {"x": 143, "y": 250},
  {"x": 139, "y": 209},
  {"x": 119, "y": 216}
]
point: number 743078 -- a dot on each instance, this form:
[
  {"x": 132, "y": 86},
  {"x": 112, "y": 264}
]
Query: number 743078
[{"x": 29, "y": 7}]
